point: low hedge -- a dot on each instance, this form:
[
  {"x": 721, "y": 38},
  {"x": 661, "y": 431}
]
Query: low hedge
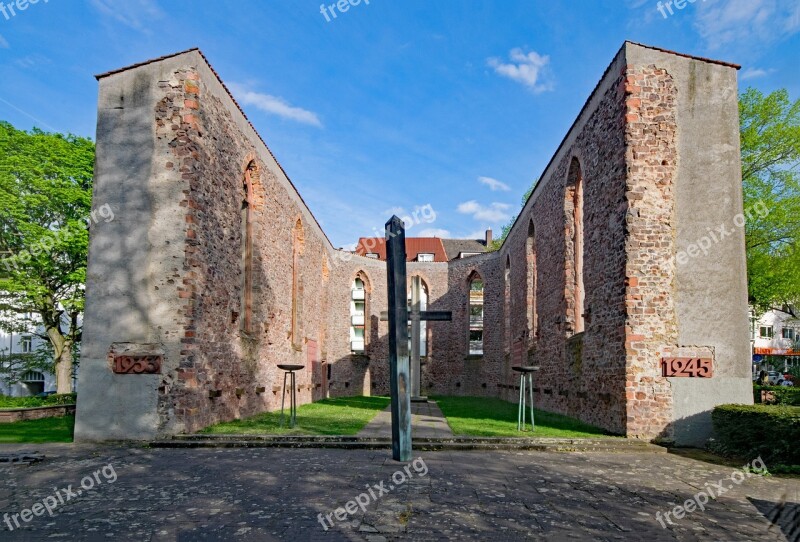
[
  {"x": 777, "y": 395},
  {"x": 30, "y": 402},
  {"x": 747, "y": 432}
]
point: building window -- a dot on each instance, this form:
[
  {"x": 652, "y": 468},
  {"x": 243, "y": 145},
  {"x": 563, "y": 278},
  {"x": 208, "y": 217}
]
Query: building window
[
  {"x": 424, "y": 257},
  {"x": 358, "y": 315},
  {"x": 766, "y": 332},
  {"x": 423, "y": 325},
  {"x": 298, "y": 243},
  {"x": 475, "y": 315},
  {"x": 32, "y": 376},
  {"x": 467, "y": 254},
  {"x": 575, "y": 197},
  {"x": 788, "y": 333},
  {"x": 26, "y": 344},
  {"x": 372, "y": 255}
]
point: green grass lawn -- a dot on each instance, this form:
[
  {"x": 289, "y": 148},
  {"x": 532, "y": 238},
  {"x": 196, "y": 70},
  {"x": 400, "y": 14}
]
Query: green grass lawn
[
  {"x": 340, "y": 416},
  {"x": 491, "y": 417},
  {"x": 46, "y": 430}
]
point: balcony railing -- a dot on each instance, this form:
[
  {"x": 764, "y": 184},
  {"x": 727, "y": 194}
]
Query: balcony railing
[
  {"x": 476, "y": 348},
  {"x": 476, "y": 321},
  {"x": 357, "y": 319},
  {"x": 359, "y": 295},
  {"x": 357, "y": 346}
]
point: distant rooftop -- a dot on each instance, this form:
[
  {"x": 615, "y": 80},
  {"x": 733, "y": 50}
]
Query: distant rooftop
[{"x": 422, "y": 249}]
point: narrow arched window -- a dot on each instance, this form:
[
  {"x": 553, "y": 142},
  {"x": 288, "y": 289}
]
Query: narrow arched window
[
  {"x": 575, "y": 196},
  {"x": 247, "y": 248},
  {"x": 359, "y": 314},
  {"x": 507, "y": 304},
  {"x": 475, "y": 310},
  {"x": 298, "y": 243},
  {"x": 417, "y": 282},
  {"x": 530, "y": 257}
]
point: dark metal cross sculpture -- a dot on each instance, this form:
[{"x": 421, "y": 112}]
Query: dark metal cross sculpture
[{"x": 400, "y": 381}]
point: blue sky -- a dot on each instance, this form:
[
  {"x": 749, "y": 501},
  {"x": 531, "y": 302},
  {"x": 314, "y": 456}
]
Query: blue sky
[{"x": 391, "y": 106}]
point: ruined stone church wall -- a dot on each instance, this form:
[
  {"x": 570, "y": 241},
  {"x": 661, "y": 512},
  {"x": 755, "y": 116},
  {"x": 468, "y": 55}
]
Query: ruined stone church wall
[
  {"x": 221, "y": 357},
  {"x": 173, "y": 149},
  {"x": 352, "y": 373},
  {"x": 699, "y": 295},
  {"x": 655, "y": 143},
  {"x": 582, "y": 374}
]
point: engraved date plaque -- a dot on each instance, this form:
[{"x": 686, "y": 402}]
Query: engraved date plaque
[
  {"x": 136, "y": 358},
  {"x": 687, "y": 367},
  {"x": 133, "y": 364}
]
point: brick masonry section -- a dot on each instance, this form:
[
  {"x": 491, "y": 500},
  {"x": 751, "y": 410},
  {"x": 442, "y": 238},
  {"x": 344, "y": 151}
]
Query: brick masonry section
[{"x": 601, "y": 363}]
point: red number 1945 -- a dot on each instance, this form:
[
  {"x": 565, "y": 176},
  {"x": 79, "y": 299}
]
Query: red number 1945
[{"x": 690, "y": 367}]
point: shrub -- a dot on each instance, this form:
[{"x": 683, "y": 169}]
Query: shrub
[
  {"x": 30, "y": 402},
  {"x": 61, "y": 399},
  {"x": 777, "y": 395},
  {"x": 751, "y": 431}
]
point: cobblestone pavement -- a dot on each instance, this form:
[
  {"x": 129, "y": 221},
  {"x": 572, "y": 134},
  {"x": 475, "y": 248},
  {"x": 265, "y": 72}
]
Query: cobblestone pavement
[
  {"x": 278, "y": 494},
  {"x": 427, "y": 421}
]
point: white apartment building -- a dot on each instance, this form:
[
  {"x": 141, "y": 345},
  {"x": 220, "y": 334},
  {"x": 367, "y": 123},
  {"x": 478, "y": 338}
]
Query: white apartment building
[
  {"x": 32, "y": 382},
  {"x": 775, "y": 337}
]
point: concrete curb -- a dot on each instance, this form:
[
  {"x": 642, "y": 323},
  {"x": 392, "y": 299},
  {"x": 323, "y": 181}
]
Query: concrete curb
[{"x": 425, "y": 444}]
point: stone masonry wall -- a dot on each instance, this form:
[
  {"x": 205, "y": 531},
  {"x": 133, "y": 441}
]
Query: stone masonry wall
[
  {"x": 651, "y": 327},
  {"x": 581, "y": 375},
  {"x": 224, "y": 371},
  {"x": 357, "y": 374}
]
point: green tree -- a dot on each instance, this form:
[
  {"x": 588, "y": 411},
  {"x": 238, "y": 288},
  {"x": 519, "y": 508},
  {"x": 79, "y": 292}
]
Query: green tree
[
  {"x": 770, "y": 137},
  {"x": 497, "y": 243},
  {"x": 45, "y": 205}
]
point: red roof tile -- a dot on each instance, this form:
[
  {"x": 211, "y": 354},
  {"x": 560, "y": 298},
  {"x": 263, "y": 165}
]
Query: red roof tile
[{"x": 414, "y": 247}]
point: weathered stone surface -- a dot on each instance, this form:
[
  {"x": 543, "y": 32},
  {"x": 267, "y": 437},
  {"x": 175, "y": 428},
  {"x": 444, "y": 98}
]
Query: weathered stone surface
[{"x": 263, "y": 494}]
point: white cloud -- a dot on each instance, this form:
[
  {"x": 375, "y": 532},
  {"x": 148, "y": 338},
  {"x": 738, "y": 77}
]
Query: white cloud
[
  {"x": 494, "y": 212},
  {"x": 494, "y": 184},
  {"x": 753, "y": 73},
  {"x": 136, "y": 14},
  {"x": 31, "y": 61},
  {"x": 530, "y": 69},
  {"x": 435, "y": 232},
  {"x": 3, "y": 43},
  {"x": 274, "y": 105},
  {"x": 751, "y": 22}
]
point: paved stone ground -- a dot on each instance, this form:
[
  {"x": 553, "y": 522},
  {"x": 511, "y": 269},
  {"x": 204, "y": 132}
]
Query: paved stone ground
[
  {"x": 427, "y": 421},
  {"x": 277, "y": 494}
]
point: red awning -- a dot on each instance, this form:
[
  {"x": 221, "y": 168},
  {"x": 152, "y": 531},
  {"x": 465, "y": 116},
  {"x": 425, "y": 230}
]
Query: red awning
[{"x": 775, "y": 351}]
